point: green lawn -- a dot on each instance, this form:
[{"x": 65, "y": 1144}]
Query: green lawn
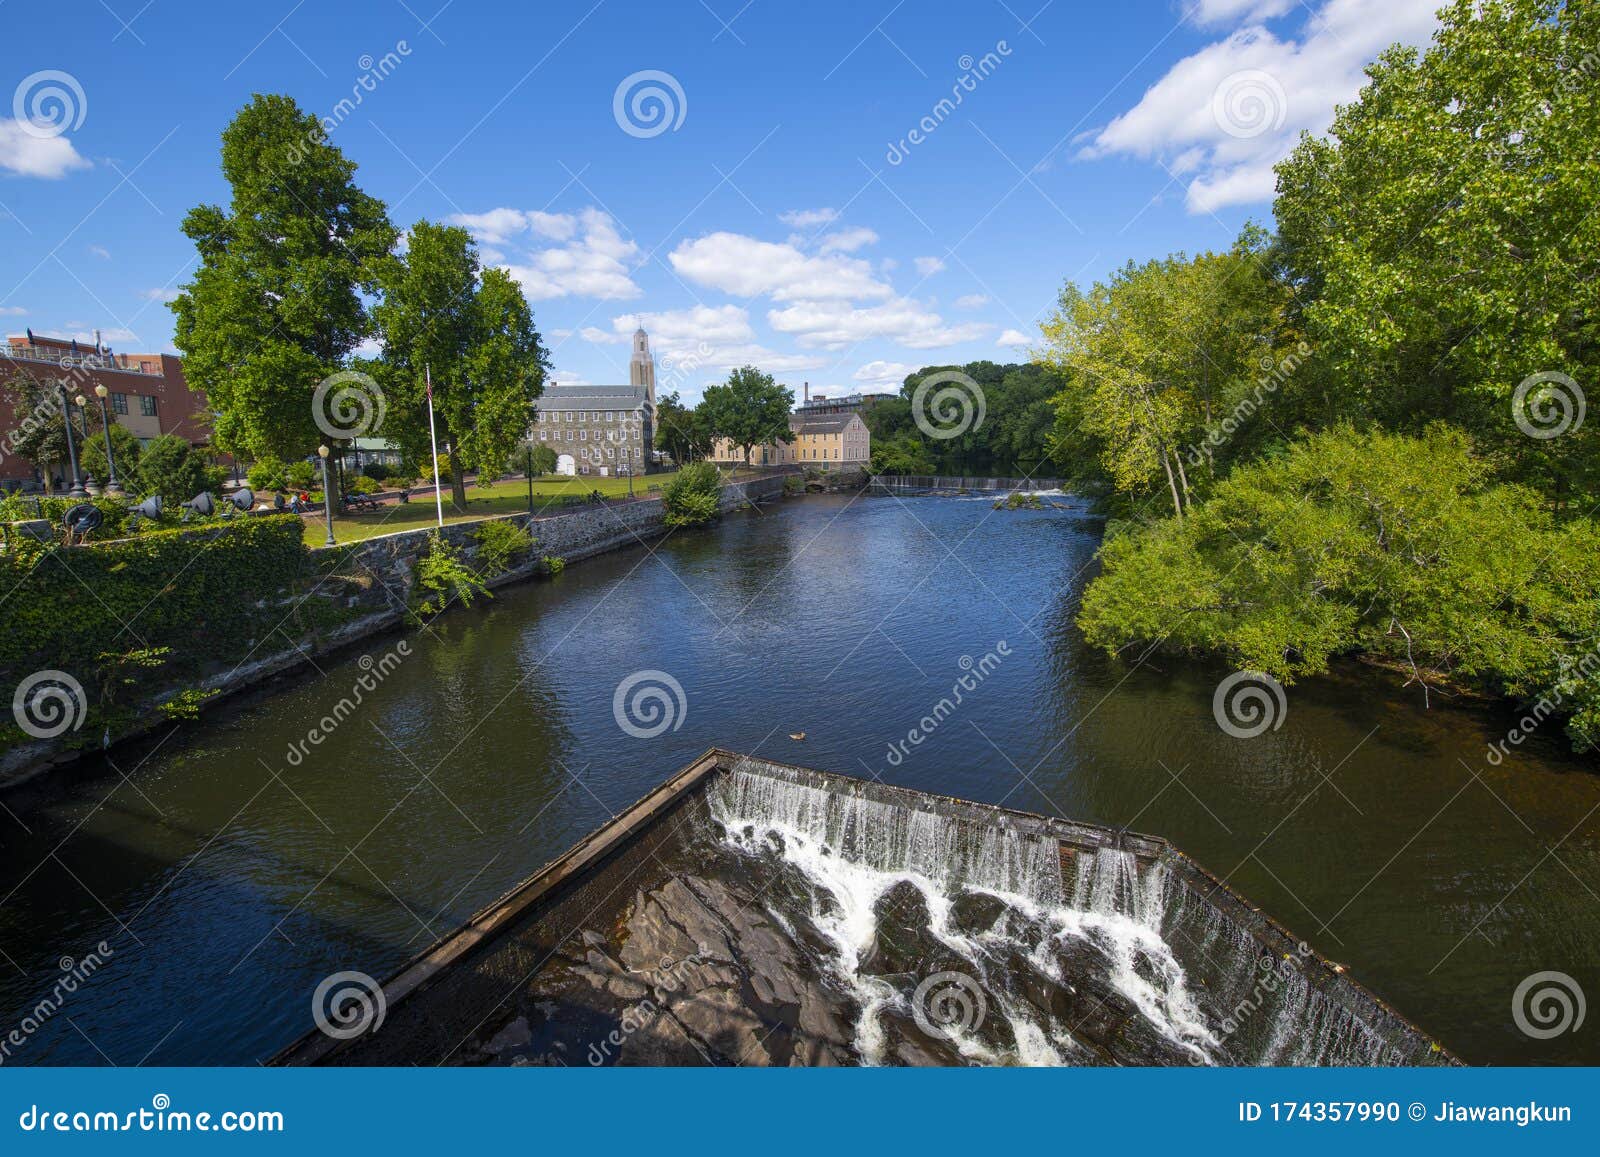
[{"x": 509, "y": 496}]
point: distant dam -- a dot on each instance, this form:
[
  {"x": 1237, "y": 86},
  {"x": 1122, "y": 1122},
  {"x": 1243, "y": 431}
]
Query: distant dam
[
  {"x": 750, "y": 912},
  {"x": 907, "y": 485}
]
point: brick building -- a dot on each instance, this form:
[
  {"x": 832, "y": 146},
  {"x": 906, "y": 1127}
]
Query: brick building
[{"x": 146, "y": 393}]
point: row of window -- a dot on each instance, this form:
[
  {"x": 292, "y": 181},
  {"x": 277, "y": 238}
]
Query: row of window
[
  {"x": 147, "y": 404},
  {"x": 586, "y": 415},
  {"x": 610, "y": 453},
  {"x": 583, "y": 436}
]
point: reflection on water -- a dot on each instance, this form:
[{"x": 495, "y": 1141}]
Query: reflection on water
[{"x": 229, "y": 880}]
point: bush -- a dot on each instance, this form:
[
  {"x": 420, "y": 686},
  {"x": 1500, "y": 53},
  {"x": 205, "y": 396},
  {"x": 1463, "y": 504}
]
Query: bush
[
  {"x": 692, "y": 497},
  {"x": 499, "y": 543},
  {"x": 555, "y": 564},
  {"x": 173, "y": 469},
  {"x": 125, "y": 447},
  {"x": 266, "y": 474},
  {"x": 23, "y": 507},
  {"x": 377, "y": 471},
  {"x": 361, "y": 484},
  {"x": 1395, "y": 547},
  {"x": 301, "y": 475},
  {"x": 443, "y": 577}
]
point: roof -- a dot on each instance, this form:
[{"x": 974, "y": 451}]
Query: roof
[
  {"x": 592, "y": 398},
  {"x": 821, "y": 423}
]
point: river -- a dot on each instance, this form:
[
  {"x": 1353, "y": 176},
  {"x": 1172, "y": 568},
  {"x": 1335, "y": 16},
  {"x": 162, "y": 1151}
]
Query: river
[{"x": 229, "y": 867}]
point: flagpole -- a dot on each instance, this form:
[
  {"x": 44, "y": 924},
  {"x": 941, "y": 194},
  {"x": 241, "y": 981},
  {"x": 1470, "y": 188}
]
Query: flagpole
[{"x": 438, "y": 493}]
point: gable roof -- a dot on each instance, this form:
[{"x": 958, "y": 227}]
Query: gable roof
[{"x": 592, "y": 398}]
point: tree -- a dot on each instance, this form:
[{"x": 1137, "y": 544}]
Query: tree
[
  {"x": 681, "y": 431},
  {"x": 277, "y": 303},
  {"x": 472, "y": 329},
  {"x": 125, "y": 447},
  {"x": 1444, "y": 230},
  {"x": 40, "y": 432},
  {"x": 544, "y": 459},
  {"x": 904, "y": 454},
  {"x": 173, "y": 469},
  {"x": 749, "y": 409}
]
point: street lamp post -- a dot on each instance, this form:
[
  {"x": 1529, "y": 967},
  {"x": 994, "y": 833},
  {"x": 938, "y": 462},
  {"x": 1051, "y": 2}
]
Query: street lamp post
[
  {"x": 113, "y": 487},
  {"x": 77, "y": 490},
  {"x": 89, "y": 482},
  {"x": 327, "y": 494},
  {"x": 530, "y": 477}
]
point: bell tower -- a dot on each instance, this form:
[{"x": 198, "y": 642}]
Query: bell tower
[{"x": 642, "y": 369}]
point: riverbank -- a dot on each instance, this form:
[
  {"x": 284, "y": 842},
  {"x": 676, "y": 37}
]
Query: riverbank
[{"x": 367, "y": 586}]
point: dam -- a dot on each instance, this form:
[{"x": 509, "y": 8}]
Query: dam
[{"x": 749, "y": 912}]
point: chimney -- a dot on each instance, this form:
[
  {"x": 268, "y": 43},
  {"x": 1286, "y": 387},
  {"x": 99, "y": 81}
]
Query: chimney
[{"x": 808, "y": 391}]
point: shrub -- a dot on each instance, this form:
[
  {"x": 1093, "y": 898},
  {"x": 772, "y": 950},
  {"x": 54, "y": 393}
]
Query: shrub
[
  {"x": 267, "y": 473},
  {"x": 443, "y": 577},
  {"x": 377, "y": 471},
  {"x": 361, "y": 484},
  {"x": 500, "y": 541},
  {"x": 173, "y": 469},
  {"x": 691, "y": 498},
  {"x": 125, "y": 447},
  {"x": 300, "y": 474},
  {"x": 555, "y": 564}
]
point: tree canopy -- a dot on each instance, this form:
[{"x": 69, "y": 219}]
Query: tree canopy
[{"x": 748, "y": 410}]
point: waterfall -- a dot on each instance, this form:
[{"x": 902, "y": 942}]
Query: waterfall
[{"x": 896, "y": 892}]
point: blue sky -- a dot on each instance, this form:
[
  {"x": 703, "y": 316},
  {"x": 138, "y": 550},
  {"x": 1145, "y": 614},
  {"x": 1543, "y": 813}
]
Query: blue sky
[{"x": 779, "y": 211}]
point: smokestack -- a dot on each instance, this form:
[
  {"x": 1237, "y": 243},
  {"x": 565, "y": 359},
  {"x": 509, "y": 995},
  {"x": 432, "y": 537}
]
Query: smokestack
[{"x": 808, "y": 391}]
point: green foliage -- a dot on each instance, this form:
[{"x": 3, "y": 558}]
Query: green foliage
[
  {"x": 180, "y": 599},
  {"x": 301, "y": 475},
  {"x": 125, "y": 448},
  {"x": 361, "y": 484},
  {"x": 1400, "y": 547},
  {"x": 173, "y": 469},
  {"x": 906, "y": 453},
  {"x": 267, "y": 473},
  {"x": 185, "y": 705},
  {"x": 443, "y": 577},
  {"x": 500, "y": 542},
  {"x": 277, "y": 303},
  {"x": 555, "y": 564},
  {"x": 544, "y": 460},
  {"x": 1445, "y": 226},
  {"x": 39, "y": 434},
  {"x": 377, "y": 471},
  {"x": 682, "y": 432},
  {"x": 21, "y": 507},
  {"x": 692, "y": 496},
  {"x": 748, "y": 410}
]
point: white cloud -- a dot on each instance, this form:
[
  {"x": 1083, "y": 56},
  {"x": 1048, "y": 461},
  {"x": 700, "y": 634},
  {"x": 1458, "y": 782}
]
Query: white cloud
[
  {"x": 809, "y": 218},
  {"x": 971, "y": 301},
  {"x": 1228, "y": 11},
  {"x": 1230, "y": 111},
  {"x": 881, "y": 373},
  {"x": 928, "y": 266},
  {"x": 1014, "y": 337},
  {"x": 834, "y": 324},
  {"x": 100, "y": 251},
  {"x": 159, "y": 294},
  {"x": 29, "y": 155},
  {"x": 590, "y": 261},
  {"x": 847, "y": 240},
  {"x": 12, "y": 311},
  {"x": 735, "y": 263}
]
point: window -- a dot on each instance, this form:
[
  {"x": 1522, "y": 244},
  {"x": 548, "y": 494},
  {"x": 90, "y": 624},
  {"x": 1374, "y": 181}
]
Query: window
[
  {"x": 147, "y": 406},
  {"x": 119, "y": 403},
  {"x": 610, "y": 416}
]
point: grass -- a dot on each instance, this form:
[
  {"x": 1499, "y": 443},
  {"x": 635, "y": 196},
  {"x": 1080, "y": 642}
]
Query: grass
[{"x": 508, "y": 496}]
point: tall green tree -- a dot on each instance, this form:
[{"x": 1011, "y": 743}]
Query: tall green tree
[
  {"x": 681, "y": 431},
  {"x": 748, "y": 410},
  {"x": 277, "y": 302},
  {"x": 472, "y": 330},
  {"x": 39, "y": 433},
  {"x": 1446, "y": 229}
]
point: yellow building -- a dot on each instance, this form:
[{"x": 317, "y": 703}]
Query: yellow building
[{"x": 826, "y": 441}]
